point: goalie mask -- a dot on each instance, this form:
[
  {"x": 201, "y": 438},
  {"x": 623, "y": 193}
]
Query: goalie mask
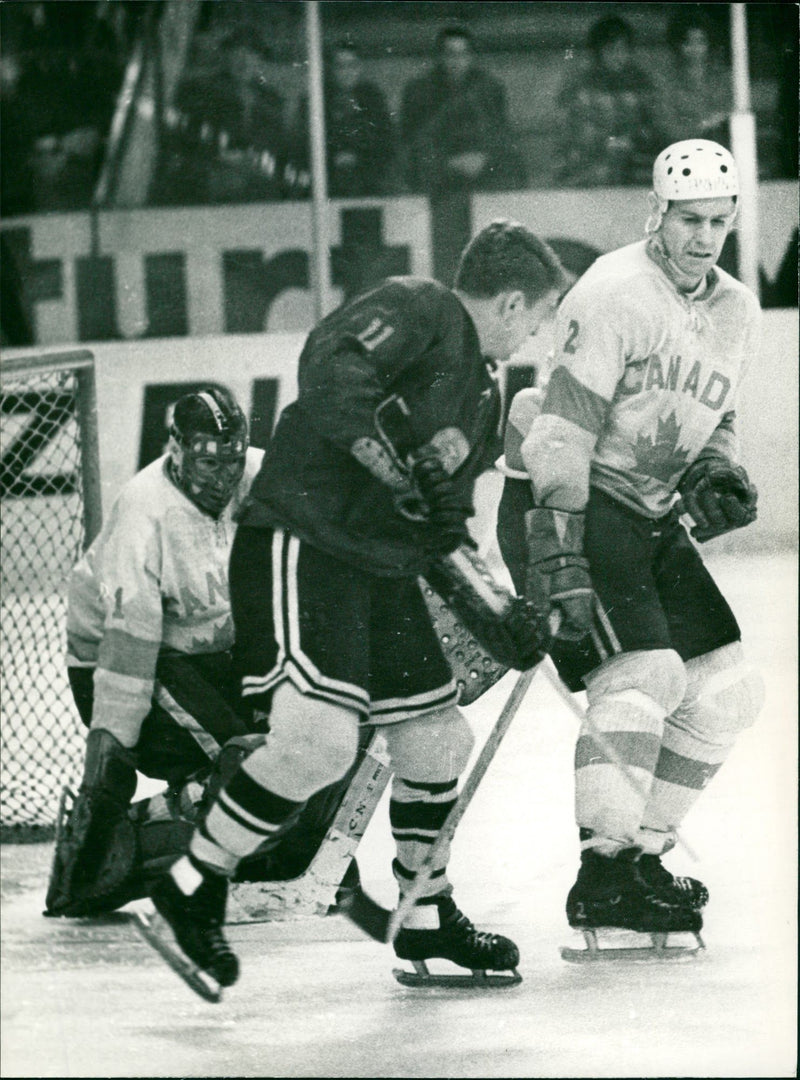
[{"x": 208, "y": 443}]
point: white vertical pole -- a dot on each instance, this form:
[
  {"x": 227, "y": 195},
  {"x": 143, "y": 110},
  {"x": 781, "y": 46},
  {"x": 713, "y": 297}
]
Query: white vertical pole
[
  {"x": 320, "y": 258},
  {"x": 743, "y": 140}
]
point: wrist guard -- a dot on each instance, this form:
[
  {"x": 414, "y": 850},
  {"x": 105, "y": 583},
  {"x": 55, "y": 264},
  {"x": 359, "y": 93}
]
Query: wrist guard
[{"x": 558, "y": 572}]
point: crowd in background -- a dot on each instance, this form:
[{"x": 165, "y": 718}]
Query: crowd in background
[{"x": 231, "y": 135}]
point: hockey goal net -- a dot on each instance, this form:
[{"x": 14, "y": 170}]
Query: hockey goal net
[{"x": 51, "y": 510}]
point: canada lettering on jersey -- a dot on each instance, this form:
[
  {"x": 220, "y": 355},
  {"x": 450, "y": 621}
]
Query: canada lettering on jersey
[
  {"x": 646, "y": 380},
  {"x": 675, "y": 374}
]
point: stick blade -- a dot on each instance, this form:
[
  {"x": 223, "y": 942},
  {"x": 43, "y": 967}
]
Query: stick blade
[{"x": 366, "y": 913}]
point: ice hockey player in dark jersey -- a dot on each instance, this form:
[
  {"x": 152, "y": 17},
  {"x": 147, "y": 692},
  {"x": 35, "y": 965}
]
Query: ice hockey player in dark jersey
[
  {"x": 332, "y": 631},
  {"x": 636, "y": 428}
]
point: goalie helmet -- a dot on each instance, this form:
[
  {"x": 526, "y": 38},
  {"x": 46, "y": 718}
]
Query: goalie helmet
[
  {"x": 695, "y": 169},
  {"x": 208, "y": 444}
]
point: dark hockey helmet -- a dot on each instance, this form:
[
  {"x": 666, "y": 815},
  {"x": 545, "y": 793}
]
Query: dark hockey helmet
[{"x": 208, "y": 444}]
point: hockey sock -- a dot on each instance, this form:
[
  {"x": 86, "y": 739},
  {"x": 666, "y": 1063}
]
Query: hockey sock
[
  {"x": 606, "y": 800},
  {"x": 417, "y": 812},
  {"x": 619, "y": 743},
  {"x": 685, "y": 766},
  {"x": 243, "y": 816},
  {"x": 723, "y": 697}
]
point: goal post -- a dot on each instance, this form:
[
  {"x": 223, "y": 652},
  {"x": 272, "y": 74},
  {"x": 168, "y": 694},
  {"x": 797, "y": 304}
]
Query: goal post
[{"x": 50, "y": 497}]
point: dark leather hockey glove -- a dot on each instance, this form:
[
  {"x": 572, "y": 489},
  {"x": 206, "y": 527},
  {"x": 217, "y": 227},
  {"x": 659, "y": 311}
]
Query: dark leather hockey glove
[
  {"x": 448, "y": 509},
  {"x": 558, "y": 573},
  {"x": 513, "y": 630},
  {"x": 529, "y": 631},
  {"x": 718, "y": 496}
]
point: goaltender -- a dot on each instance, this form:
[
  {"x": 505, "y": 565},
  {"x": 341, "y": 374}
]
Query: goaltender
[{"x": 151, "y": 667}]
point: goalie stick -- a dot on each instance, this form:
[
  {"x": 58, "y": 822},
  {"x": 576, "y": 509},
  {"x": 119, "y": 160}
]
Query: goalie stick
[{"x": 314, "y": 891}]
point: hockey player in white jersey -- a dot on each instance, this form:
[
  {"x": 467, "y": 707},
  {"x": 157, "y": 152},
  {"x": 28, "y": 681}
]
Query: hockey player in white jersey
[
  {"x": 635, "y": 429},
  {"x": 149, "y": 637}
]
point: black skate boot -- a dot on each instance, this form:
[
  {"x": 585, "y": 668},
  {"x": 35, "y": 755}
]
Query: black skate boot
[
  {"x": 611, "y": 893},
  {"x": 456, "y": 940},
  {"x": 685, "y": 891},
  {"x": 196, "y": 922}
]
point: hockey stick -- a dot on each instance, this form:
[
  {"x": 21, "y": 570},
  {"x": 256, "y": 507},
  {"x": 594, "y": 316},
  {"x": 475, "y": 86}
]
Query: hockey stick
[{"x": 608, "y": 750}]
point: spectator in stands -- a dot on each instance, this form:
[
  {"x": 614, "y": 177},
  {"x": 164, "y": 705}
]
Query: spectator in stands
[
  {"x": 68, "y": 72},
  {"x": 16, "y": 179},
  {"x": 608, "y": 114},
  {"x": 225, "y": 139},
  {"x": 358, "y": 129},
  {"x": 695, "y": 96},
  {"x": 454, "y": 124}
]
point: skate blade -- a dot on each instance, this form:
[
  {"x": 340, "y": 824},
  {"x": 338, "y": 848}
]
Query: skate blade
[
  {"x": 154, "y": 930},
  {"x": 657, "y": 951},
  {"x": 476, "y": 980}
]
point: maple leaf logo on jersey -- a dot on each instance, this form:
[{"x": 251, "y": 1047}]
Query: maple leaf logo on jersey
[
  {"x": 220, "y": 641},
  {"x": 661, "y": 459}
]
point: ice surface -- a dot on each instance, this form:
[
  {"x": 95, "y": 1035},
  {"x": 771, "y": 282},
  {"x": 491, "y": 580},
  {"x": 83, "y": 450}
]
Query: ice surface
[{"x": 317, "y": 1000}]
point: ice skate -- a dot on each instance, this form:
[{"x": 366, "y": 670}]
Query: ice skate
[
  {"x": 492, "y": 959},
  {"x": 685, "y": 891},
  {"x": 200, "y": 956},
  {"x": 612, "y": 901}
]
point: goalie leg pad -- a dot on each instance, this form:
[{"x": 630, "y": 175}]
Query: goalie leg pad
[{"x": 74, "y": 893}]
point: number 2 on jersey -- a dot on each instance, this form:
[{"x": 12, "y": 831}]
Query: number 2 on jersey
[{"x": 572, "y": 333}]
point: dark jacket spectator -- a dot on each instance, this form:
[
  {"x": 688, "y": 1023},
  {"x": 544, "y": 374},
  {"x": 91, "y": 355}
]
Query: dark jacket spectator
[
  {"x": 224, "y": 138},
  {"x": 62, "y": 70},
  {"x": 695, "y": 95},
  {"x": 609, "y": 124},
  {"x": 358, "y": 130},
  {"x": 454, "y": 124}
]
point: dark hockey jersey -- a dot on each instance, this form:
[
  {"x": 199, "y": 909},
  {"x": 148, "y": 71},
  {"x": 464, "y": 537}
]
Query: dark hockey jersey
[{"x": 409, "y": 337}]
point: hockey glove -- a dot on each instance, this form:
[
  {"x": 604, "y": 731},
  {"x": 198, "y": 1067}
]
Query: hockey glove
[
  {"x": 448, "y": 509},
  {"x": 558, "y": 573},
  {"x": 513, "y": 630},
  {"x": 718, "y": 496}
]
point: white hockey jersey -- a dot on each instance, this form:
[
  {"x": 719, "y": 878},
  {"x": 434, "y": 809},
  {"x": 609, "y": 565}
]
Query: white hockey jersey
[
  {"x": 154, "y": 579},
  {"x": 645, "y": 378}
]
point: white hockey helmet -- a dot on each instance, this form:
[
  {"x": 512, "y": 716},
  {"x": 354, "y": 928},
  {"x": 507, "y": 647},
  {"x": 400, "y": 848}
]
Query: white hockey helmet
[{"x": 695, "y": 169}]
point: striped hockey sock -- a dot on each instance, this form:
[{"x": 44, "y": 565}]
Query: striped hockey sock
[
  {"x": 417, "y": 812},
  {"x": 243, "y": 816}
]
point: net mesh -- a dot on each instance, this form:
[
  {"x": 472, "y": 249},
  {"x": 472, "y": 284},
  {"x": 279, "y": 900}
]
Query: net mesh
[{"x": 41, "y": 537}]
